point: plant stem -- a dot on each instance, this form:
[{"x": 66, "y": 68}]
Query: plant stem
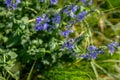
[{"x": 94, "y": 69}]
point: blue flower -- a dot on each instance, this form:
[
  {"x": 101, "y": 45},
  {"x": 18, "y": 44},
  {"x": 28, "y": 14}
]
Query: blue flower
[
  {"x": 74, "y": 8},
  {"x": 41, "y": 27},
  {"x": 56, "y": 19},
  {"x": 8, "y": 3},
  {"x": 66, "y": 32},
  {"x": 81, "y": 15},
  {"x": 45, "y": 26},
  {"x": 14, "y": 6},
  {"x": 17, "y": 1},
  {"x": 42, "y": 23},
  {"x": 91, "y": 53},
  {"x": 65, "y": 10},
  {"x": 53, "y": 2},
  {"x": 83, "y": 1},
  {"x": 90, "y": 2},
  {"x": 69, "y": 44},
  {"x": 39, "y": 20},
  {"x": 112, "y": 46},
  {"x": 91, "y": 48},
  {"x": 86, "y": 2}
]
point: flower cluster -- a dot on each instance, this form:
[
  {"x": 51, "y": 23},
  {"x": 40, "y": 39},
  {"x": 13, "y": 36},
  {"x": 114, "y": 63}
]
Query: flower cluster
[
  {"x": 81, "y": 15},
  {"x": 112, "y": 46},
  {"x": 10, "y": 4},
  {"x": 69, "y": 44},
  {"x": 70, "y": 15},
  {"x": 42, "y": 22},
  {"x": 92, "y": 51}
]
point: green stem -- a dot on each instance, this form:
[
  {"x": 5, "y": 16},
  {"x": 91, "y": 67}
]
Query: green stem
[
  {"x": 94, "y": 69},
  {"x": 30, "y": 73}
]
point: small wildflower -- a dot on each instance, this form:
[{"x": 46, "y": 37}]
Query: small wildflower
[
  {"x": 14, "y": 6},
  {"x": 92, "y": 53},
  {"x": 41, "y": 27},
  {"x": 83, "y": 1},
  {"x": 91, "y": 48},
  {"x": 112, "y": 46},
  {"x": 75, "y": 8},
  {"x": 42, "y": 23},
  {"x": 65, "y": 10},
  {"x": 39, "y": 20},
  {"x": 81, "y": 15},
  {"x": 56, "y": 19},
  {"x": 53, "y": 2},
  {"x": 8, "y": 3},
  {"x": 66, "y": 32},
  {"x": 69, "y": 44},
  {"x": 17, "y": 1},
  {"x": 90, "y": 2}
]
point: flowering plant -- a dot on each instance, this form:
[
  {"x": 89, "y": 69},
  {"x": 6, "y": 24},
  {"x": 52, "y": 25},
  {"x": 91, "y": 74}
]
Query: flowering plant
[{"x": 42, "y": 34}]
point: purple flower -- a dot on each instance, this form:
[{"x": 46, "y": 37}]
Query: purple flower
[
  {"x": 85, "y": 56},
  {"x": 17, "y": 1},
  {"x": 53, "y": 2},
  {"x": 90, "y": 2},
  {"x": 99, "y": 51},
  {"x": 14, "y": 6},
  {"x": 84, "y": 1},
  {"x": 41, "y": 27},
  {"x": 42, "y": 23},
  {"x": 8, "y": 3},
  {"x": 115, "y": 44},
  {"x": 93, "y": 55},
  {"x": 112, "y": 46},
  {"x": 66, "y": 32},
  {"x": 65, "y": 10},
  {"x": 74, "y": 8},
  {"x": 92, "y": 52},
  {"x": 91, "y": 48},
  {"x": 56, "y": 19},
  {"x": 45, "y": 26},
  {"x": 90, "y": 55},
  {"x": 68, "y": 45},
  {"x": 39, "y": 20},
  {"x": 81, "y": 15}
]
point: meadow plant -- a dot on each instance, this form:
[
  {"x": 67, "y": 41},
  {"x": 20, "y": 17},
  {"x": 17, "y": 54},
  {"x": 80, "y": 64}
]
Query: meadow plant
[{"x": 41, "y": 33}]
